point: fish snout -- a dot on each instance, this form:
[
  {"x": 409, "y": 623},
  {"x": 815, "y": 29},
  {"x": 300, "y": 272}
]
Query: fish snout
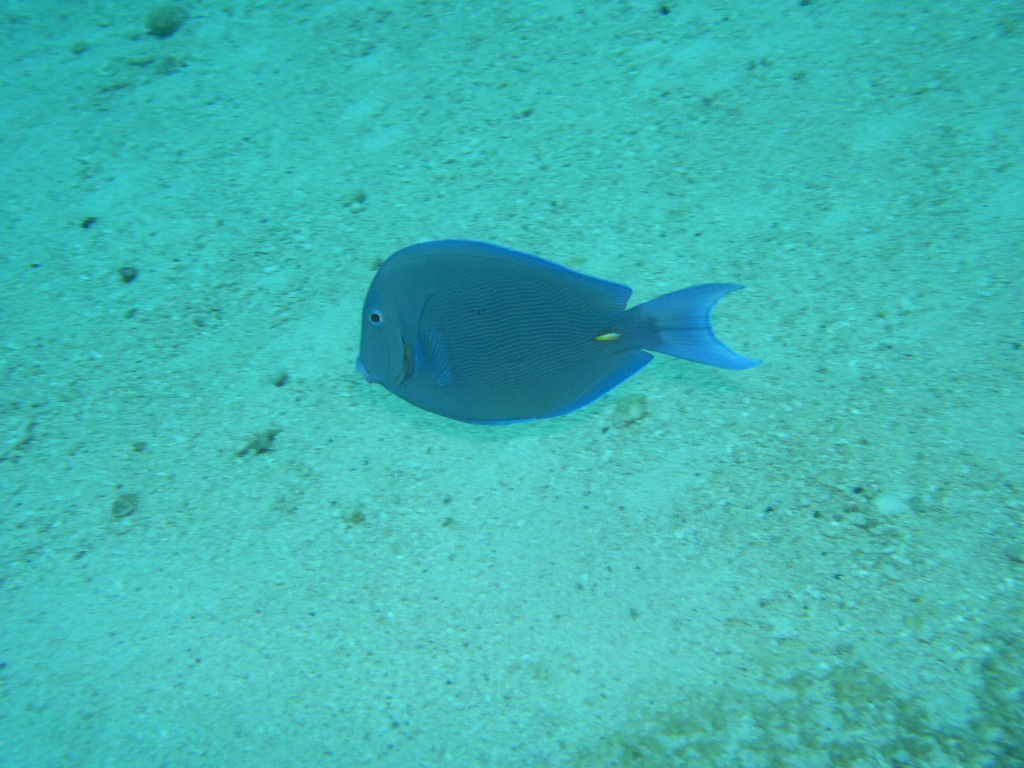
[{"x": 362, "y": 369}]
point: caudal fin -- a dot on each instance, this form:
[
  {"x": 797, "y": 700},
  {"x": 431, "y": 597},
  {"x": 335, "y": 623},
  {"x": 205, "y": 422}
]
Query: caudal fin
[{"x": 682, "y": 326}]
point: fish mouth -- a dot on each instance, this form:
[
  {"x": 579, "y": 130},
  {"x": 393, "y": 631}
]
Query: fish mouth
[
  {"x": 362, "y": 369},
  {"x": 383, "y": 377},
  {"x": 376, "y": 379}
]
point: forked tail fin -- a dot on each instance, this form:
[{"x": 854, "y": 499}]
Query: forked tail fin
[{"x": 682, "y": 326}]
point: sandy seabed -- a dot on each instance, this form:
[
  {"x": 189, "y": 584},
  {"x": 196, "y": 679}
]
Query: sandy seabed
[{"x": 220, "y": 546}]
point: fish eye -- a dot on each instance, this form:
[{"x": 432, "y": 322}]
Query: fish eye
[{"x": 376, "y": 317}]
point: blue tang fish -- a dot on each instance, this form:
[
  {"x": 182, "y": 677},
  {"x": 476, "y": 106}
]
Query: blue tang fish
[{"x": 487, "y": 335}]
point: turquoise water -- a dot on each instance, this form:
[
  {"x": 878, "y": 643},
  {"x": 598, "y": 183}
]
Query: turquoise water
[{"x": 220, "y": 546}]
